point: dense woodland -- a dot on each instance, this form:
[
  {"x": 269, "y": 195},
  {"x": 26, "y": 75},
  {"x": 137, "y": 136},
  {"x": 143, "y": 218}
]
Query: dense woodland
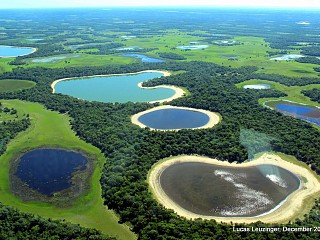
[
  {"x": 313, "y": 94},
  {"x": 131, "y": 151}
]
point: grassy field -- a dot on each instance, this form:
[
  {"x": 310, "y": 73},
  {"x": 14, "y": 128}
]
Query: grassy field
[
  {"x": 81, "y": 60},
  {"x": 293, "y": 92},
  {"x": 14, "y": 85},
  {"x": 49, "y": 128},
  {"x": 4, "y": 66},
  {"x": 252, "y": 51}
]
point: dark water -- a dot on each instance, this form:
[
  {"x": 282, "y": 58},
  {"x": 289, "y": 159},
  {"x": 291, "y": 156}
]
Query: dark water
[
  {"x": 213, "y": 190},
  {"x": 143, "y": 58},
  {"x": 49, "y": 170},
  {"x": 166, "y": 119},
  {"x": 303, "y": 112}
]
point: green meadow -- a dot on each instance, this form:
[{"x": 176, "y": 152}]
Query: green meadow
[
  {"x": 49, "y": 128},
  {"x": 15, "y": 85}
]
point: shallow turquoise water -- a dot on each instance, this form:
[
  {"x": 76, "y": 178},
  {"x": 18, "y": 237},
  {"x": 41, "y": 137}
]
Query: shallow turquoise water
[
  {"x": 9, "y": 51},
  {"x": 120, "y": 89}
]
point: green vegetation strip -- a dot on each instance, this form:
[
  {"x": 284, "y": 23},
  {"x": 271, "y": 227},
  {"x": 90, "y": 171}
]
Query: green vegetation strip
[
  {"x": 49, "y": 128},
  {"x": 15, "y": 85}
]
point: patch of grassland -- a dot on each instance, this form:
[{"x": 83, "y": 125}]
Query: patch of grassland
[
  {"x": 293, "y": 92},
  {"x": 252, "y": 51},
  {"x": 49, "y": 128},
  {"x": 4, "y": 65},
  {"x": 84, "y": 60},
  {"x": 15, "y": 85}
]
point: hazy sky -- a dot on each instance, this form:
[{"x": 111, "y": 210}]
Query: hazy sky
[{"x": 98, "y": 3}]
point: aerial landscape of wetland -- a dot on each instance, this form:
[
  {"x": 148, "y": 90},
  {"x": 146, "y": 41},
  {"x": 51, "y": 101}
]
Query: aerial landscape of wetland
[{"x": 156, "y": 121}]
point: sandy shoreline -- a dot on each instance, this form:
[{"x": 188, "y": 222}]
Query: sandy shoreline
[
  {"x": 288, "y": 210},
  {"x": 214, "y": 118},
  {"x": 178, "y": 91},
  {"x": 33, "y": 50}
]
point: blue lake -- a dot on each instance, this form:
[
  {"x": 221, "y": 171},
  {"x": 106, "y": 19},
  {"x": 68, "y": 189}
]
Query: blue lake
[
  {"x": 172, "y": 118},
  {"x": 143, "y": 58},
  {"x": 10, "y": 51},
  {"x": 49, "y": 170},
  {"x": 121, "y": 88},
  {"x": 304, "y": 112}
]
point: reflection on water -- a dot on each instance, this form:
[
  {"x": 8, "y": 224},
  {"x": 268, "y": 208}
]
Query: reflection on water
[{"x": 213, "y": 190}]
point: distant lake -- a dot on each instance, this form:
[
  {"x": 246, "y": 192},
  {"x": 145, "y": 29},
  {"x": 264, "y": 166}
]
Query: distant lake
[
  {"x": 213, "y": 190},
  {"x": 192, "y": 47},
  {"x": 10, "y": 51},
  {"x": 287, "y": 57},
  {"x": 143, "y": 58},
  {"x": 304, "y": 112},
  {"x": 121, "y": 88},
  {"x": 173, "y": 118},
  {"x": 49, "y": 170},
  {"x": 257, "y": 86}
]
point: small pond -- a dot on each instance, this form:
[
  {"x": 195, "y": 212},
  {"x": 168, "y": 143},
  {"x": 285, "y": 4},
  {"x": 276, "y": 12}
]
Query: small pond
[
  {"x": 213, "y": 190},
  {"x": 257, "y": 86},
  {"x": 34, "y": 39},
  {"x": 129, "y": 48},
  {"x": 174, "y": 118},
  {"x": 10, "y": 51},
  {"x": 287, "y": 57},
  {"x": 143, "y": 58},
  {"x": 192, "y": 47},
  {"x": 304, "y": 112},
  {"x": 121, "y": 88},
  {"x": 49, "y": 170}
]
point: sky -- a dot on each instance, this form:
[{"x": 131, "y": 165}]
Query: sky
[{"x": 106, "y": 3}]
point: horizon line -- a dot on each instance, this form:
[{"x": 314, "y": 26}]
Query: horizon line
[{"x": 169, "y": 6}]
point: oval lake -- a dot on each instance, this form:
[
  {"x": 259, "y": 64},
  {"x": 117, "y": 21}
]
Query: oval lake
[
  {"x": 49, "y": 170},
  {"x": 213, "y": 190},
  {"x": 174, "y": 118},
  {"x": 120, "y": 88},
  {"x": 306, "y": 113},
  {"x": 11, "y": 51},
  {"x": 257, "y": 86}
]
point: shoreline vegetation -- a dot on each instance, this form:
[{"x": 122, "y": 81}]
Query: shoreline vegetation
[
  {"x": 214, "y": 118},
  {"x": 288, "y": 210},
  {"x": 179, "y": 92}
]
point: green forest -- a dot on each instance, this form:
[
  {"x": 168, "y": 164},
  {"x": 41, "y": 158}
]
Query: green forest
[{"x": 130, "y": 151}]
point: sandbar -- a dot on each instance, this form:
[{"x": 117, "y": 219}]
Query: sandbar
[
  {"x": 214, "y": 118},
  {"x": 288, "y": 210},
  {"x": 178, "y": 91}
]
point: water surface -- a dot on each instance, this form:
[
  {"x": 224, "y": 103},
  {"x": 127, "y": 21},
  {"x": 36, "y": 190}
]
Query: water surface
[
  {"x": 143, "y": 58},
  {"x": 287, "y": 57},
  {"x": 304, "y": 112},
  {"x": 192, "y": 47},
  {"x": 173, "y": 118},
  {"x": 122, "y": 88},
  {"x": 10, "y": 51},
  {"x": 49, "y": 170},
  {"x": 257, "y": 86},
  {"x": 214, "y": 190}
]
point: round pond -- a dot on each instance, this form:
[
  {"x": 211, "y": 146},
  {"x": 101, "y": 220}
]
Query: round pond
[
  {"x": 48, "y": 171},
  {"x": 213, "y": 190},
  {"x": 175, "y": 118}
]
